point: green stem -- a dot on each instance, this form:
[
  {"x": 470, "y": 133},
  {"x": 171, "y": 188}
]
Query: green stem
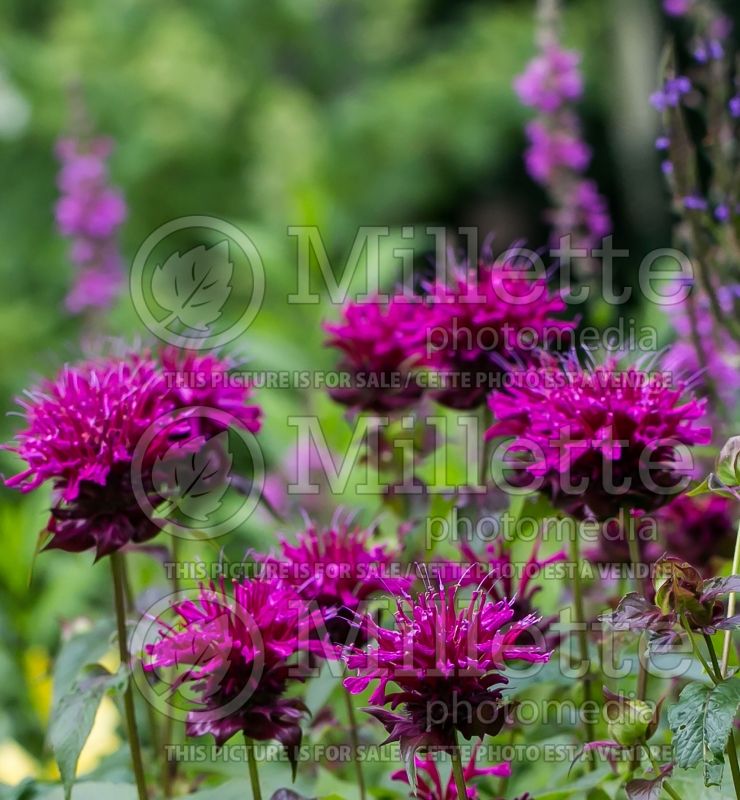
[
  {"x": 457, "y": 770},
  {"x": 485, "y": 422},
  {"x": 355, "y": 740},
  {"x": 734, "y": 766},
  {"x": 641, "y": 588},
  {"x": 669, "y": 790},
  {"x": 579, "y": 619},
  {"x": 504, "y": 780},
  {"x": 695, "y": 648},
  {"x": 169, "y": 768},
  {"x": 254, "y": 777},
  {"x": 713, "y": 656},
  {"x": 151, "y": 712},
  {"x": 119, "y": 595},
  {"x": 731, "y": 605}
]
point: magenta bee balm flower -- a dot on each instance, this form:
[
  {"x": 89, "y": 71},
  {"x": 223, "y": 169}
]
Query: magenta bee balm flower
[
  {"x": 338, "y": 568},
  {"x": 83, "y": 428},
  {"x": 498, "y": 574},
  {"x": 207, "y": 381},
  {"x": 699, "y": 530},
  {"x": 380, "y": 343},
  {"x": 602, "y": 439},
  {"x": 238, "y": 655},
  {"x": 485, "y": 321},
  {"x": 82, "y": 433},
  {"x": 446, "y": 659}
]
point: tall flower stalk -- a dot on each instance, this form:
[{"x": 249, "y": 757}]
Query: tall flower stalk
[
  {"x": 557, "y": 157},
  {"x": 89, "y": 212}
]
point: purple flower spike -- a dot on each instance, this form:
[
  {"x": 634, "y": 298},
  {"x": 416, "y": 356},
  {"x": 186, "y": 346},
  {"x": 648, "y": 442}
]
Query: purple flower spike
[
  {"x": 550, "y": 80},
  {"x": 557, "y": 156},
  {"x": 89, "y": 213}
]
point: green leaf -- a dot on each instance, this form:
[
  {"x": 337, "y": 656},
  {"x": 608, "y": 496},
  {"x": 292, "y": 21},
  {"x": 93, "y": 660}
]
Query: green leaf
[
  {"x": 42, "y": 540},
  {"x": 686, "y": 721},
  {"x": 73, "y": 716},
  {"x": 702, "y": 488},
  {"x": 701, "y": 723},
  {"x": 82, "y": 649},
  {"x": 721, "y": 708}
]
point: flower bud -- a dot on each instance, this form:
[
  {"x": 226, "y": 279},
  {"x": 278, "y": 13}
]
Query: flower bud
[
  {"x": 678, "y": 589},
  {"x": 728, "y": 463},
  {"x": 630, "y": 722}
]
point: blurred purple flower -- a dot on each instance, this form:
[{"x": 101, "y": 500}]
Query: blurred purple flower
[
  {"x": 497, "y": 574},
  {"x": 476, "y": 321},
  {"x": 556, "y": 156},
  {"x": 671, "y": 93},
  {"x": 698, "y": 530},
  {"x": 89, "y": 213},
  {"x": 338, "y": 569},
  {"x": 552, "y": 150},
  {"x": 720, "y": 356},
  {"x": 380, "y": 344},
  {"x": 722, "y": 212},
  {"x": 677, "y": 8},
  {"x": 694, "y": 202},
  {"x": 207, "y": 381},
  {"x": 550, "y": 79}
]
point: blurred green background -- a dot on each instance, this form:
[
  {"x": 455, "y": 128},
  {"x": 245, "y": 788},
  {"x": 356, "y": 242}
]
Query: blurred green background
[{"x": 335, "y": 113}]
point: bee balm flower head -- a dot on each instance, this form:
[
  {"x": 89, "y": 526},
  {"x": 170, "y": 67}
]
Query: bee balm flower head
[
  {"x": 337, "y": 568},
  {"x": 602, "y": 439},
  {"x": 445, "y": 659},
  {"x": 484, "y": 321},
  {"x": 380, "y": 343},
  {"x": 82, "y": 430},
  {"x": 239, "y": 655}
]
